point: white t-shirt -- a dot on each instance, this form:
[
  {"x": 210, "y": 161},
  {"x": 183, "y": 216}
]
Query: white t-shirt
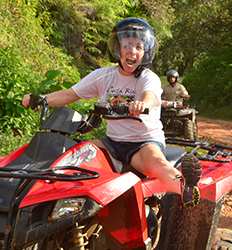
[{"x": 109, "y": 85}]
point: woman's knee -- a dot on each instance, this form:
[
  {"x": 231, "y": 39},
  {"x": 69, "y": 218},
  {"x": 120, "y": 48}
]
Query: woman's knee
[
  {"x": 152, "y": 162},
  {"x": 152, "y": 154},
  {"x": 147, "y": 155}
]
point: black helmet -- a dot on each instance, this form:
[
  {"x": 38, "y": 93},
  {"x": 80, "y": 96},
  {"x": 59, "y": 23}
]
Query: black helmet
[
  {"x": 133, "y": 27},
  {"x": 172, "y": 72}
]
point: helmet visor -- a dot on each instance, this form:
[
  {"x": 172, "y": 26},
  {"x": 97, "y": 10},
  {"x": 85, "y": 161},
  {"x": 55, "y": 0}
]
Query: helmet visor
[
  {"x": 143, "y": 39},
  {"x": 144, "y": 36}
]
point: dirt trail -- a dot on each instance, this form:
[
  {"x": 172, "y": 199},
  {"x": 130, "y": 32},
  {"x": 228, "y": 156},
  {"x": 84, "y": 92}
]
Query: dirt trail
[
  {"x": 216, "y": 130},
  {"x": 221, "y": 132}
]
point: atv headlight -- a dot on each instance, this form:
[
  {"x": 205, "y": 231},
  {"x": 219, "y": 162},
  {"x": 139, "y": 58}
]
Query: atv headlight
[{"x": 67, "y": 207}]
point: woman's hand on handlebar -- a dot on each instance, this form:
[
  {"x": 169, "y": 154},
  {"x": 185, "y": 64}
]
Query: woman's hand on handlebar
[
  {"x": 136, "y": 108},
  {"x": 26, "y": 100},
  {"x": 34, "y": 101}
]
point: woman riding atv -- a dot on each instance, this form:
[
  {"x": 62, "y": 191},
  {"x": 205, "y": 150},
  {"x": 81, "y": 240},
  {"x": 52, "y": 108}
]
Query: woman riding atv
[{"x": 132, "y": 44}]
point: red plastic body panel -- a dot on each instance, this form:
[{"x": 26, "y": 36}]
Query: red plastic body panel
[
  {"x": 129, "y": 228},
  {"x": 216, "y": 180},
  {"x": 4, "y": 160},
  {"x": 120, "y": 195},
  {"x": 103, "y": 190}
]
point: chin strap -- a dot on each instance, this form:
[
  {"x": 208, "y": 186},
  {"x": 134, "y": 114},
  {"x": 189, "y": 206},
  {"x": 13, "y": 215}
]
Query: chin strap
[{"x": 139, "y": 70}]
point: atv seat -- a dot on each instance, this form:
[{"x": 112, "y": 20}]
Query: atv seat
[{"x": 173, "y": 153}]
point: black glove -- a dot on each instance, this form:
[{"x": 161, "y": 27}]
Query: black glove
[{"x": 37, "y": 100}]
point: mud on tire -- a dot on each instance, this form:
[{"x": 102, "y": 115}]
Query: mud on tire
[
  {"x": 195, "y": 133},
  {"x": 189, "y": 130}
]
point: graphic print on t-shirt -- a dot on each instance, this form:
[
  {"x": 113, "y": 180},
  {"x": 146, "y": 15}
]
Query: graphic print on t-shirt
[{"x": 117, "y": 96}]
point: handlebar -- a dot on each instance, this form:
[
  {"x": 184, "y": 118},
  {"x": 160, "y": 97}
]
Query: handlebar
[
  {"x": 116, "y": 112},
  {"x": 93, "y": 120}
]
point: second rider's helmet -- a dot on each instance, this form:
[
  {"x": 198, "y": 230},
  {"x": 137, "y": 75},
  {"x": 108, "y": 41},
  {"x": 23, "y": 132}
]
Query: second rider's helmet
[
  {"x": 133, "y": 27},
  {"x": 172, "y": 73}
]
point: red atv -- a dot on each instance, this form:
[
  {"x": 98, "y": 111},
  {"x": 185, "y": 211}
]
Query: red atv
[{"x": 59, "y": 193}]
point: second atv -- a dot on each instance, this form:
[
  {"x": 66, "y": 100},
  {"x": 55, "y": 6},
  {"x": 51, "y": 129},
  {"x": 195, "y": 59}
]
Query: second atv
[{"x": 180, "y": 122}]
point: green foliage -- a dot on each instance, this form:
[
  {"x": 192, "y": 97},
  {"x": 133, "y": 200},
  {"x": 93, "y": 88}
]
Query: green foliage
[
  {"x": 80, "y": 28},
  {"x": 25, "y": 57},
  {"x": 11, "y": 141},
  {"x": 15, "y": 80},
  {"x": 100, "y": 25},
  {"x": 210, "y": 83},
  {"x": 199, "y": 27},
  {"x": 161, "y": 16}
]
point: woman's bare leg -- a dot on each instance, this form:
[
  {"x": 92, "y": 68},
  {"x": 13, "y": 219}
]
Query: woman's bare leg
[{"x": 150, "y": 161}]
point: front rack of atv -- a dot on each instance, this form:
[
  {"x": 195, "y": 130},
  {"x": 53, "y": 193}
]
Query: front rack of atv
[{"x": 214, "y": 151}]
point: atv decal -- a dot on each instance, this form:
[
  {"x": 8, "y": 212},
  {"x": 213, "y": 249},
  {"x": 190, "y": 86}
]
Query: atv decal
[{"x": 84, "y": 154}]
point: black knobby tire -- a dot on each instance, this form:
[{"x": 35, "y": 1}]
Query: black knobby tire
[
  {"x": 170, "y": 222},
  {"x": 195, "y": 129}
]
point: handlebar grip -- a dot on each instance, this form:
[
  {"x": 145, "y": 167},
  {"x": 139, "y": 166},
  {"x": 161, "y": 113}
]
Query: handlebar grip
[{"x": 123, "y": 109}]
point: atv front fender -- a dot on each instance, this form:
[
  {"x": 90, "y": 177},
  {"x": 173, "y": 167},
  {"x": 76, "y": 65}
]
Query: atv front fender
[
  {"x": 124, "y": 221},
  {"x": 103, "y": 190}
]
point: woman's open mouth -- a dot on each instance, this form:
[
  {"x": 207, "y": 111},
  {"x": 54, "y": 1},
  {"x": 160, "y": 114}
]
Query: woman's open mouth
[{"x": 131, "y": 62}]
